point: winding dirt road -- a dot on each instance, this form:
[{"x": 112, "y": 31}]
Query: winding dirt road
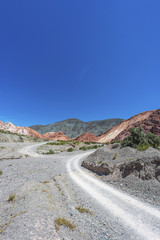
[
  {"x": 49, "y": 187},
  {"x": 142, "y": 218}
]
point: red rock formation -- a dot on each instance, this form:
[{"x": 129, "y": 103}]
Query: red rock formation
[
  {"x": 33, "y": 133},
  {"x": 87, "y": 137},
  {"x": 56, "y": 136},
  {"x": 1, "y": 122},
  {"x": 150, "y": 121}
]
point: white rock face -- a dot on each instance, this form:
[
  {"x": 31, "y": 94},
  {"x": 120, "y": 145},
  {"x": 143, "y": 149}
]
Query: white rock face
[{"x": 8, "y": 126}]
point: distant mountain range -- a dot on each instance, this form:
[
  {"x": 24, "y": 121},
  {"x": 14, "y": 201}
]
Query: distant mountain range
[
  {"x": 74, "y": 127},
  {"x": 101, "y": 131}
]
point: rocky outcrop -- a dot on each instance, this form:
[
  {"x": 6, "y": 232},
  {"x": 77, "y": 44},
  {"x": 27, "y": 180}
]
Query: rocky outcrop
[
  {"x": 56, "y": 136},
  {"x": 87, "y": 137},
  {"x": 74, "y": 127},
  {"x": 150, "y": 121},
  {"x": 124, "y": 162},
  {"x": 1, "y": 122}
]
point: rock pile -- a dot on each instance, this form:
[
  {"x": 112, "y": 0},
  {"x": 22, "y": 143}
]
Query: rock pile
[{"x": 122, "y": 162}]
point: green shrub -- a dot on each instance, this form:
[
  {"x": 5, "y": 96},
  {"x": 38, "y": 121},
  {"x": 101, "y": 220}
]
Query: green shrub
[
  {"x": 57, "y": 143},
  {"x": 70, "y": 150},
  {"x": 116, "y": 141},
  {"x": 90, "y": 147},
  {"x": 83, "y": 148},
  {"x": 50, "y": 152},
  {"x": 138, "y": 139},
  {"x": 1, "y": 172},
  {"x": 142, "y": 146}
]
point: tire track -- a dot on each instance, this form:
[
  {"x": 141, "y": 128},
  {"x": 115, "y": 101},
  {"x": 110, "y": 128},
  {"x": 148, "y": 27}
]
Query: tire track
[{"x": 141, "y": 218}]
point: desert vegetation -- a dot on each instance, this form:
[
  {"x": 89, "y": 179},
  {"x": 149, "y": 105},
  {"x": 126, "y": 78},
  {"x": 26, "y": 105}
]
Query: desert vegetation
[
  {"x": 63, "y": 222},
  {"x": 90, "y": 147},
  {"x": 50, "y": 152},
  {"x": 11, "y": 197},
  {"x": 140, "y": 140},
  {"x": 84, "y": 210}
]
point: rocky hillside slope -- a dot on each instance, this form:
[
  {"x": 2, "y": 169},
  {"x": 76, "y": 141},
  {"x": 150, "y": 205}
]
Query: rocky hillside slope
[
  {"x": 87, "y": 137},
  {"x": 9, "y": 132},
  {"x": 75, "y": 127},
  {"x": 14, "y": 137},
  {"x": 10, "y": 127},
  {"x": 150, "y": 121},
  {"x": 56, "y": 136}
]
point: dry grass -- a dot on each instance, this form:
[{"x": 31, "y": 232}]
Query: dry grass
[
  {"x": 45, "y": 182},
  {"x": 44, "y": 190},
  {"x": 100, "y": 162},
  {"x": 11, "y": 197},
  {"x": 64, "y": 222},
  {"x": 114, "y": 156},
  {"x": 15, "y": 215},
  {"x": 84, "y": 210}
]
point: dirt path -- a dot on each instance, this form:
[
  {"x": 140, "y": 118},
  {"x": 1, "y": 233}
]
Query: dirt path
[{"x": 45, "y": 189}]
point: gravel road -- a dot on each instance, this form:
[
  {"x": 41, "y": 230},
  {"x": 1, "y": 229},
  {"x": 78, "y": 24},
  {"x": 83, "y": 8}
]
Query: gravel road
[{"x": 51, "y": 187}]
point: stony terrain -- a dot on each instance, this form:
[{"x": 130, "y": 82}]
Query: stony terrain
[
  {"x": 137, "y": 172},
  {"x": 41, "y": 200},
  {"x": 75, "y": 127},
  {"x": 149, "y": 121}
]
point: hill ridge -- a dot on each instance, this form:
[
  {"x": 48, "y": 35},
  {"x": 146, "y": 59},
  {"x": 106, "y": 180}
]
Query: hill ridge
[{"x": 74, "y": 127}]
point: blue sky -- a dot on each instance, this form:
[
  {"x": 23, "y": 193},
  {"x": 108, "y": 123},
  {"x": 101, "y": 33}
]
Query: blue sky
[{"x": 87, "y": 59}]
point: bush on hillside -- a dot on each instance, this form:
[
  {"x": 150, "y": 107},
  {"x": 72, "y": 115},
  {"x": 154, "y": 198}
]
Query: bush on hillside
[
  {"x": 70, "y": 150},
  {"x": 138, "y": 139}
]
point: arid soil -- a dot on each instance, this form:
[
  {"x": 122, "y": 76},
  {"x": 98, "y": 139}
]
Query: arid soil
[
  {"x": 51, "y": 197},
  {"x": 135, "y": 171}
]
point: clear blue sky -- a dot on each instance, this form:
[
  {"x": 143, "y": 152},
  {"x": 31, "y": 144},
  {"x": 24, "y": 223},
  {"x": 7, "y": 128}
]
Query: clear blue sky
[{"x": 87, "y": 59}]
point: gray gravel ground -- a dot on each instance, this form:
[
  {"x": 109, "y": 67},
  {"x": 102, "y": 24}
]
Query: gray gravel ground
[
  {"x": 44, "y": 192},
  {"x": 146, "y": 190},
  {"x": 32, "y": 213}
]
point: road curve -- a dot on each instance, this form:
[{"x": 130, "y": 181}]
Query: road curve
[
  {"x": 30, "y": 150},
  {"x": 140, "y": 217}
]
